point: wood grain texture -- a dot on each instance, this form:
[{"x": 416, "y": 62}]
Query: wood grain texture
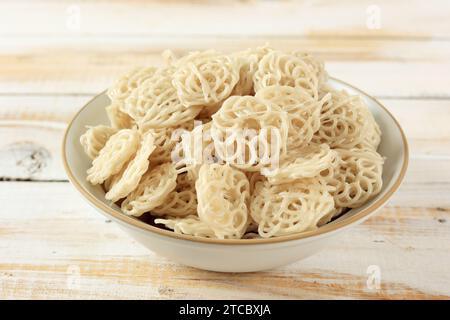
[
  {"x": 95, "y": 259},
  {"x": 414, "y": 19},
  {"x": 422, "y": 72},
  {"x": 53, "y": 245}
]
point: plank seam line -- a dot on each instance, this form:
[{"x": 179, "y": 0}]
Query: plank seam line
[
  {"x": 91, "y": 94},
  {"x": 47, "y": 94},
  {"x": 424, "y": 156},
  {"x": 230, "y": 36},
  {"x": 7, "y": 179}
]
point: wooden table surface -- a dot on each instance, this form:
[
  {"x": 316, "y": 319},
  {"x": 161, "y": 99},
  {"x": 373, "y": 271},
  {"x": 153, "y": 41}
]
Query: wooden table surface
[{"x": 55, "y": 55}]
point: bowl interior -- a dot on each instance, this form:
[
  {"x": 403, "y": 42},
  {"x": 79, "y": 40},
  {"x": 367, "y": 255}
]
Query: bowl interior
[{"x": 393, "y": 147}]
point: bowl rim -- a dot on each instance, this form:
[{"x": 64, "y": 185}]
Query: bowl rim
[{"x": 326, "y": 229}]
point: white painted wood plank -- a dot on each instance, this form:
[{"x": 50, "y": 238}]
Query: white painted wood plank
[
  {"x": 308, "y": 18},
  {"x": 45, "y": 108},
  {"x": 385, "y": 68},
  {"x": 359, "y": 49},
  {"x": 31, "y": 150},
  {"x": 52, "y": 245},
  {"x": 63, "y": 249}
]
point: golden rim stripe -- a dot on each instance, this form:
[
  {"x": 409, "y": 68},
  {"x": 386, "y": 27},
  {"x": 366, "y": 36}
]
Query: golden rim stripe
[{"x": 307, "y": 234}]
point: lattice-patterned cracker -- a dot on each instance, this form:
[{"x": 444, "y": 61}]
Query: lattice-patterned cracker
[
  {"x": 119, "y": 148},
  {"x": 152, "y": 190},
  {"x": 244, "y": 86},
  {"x": 135, "y": 169},
  {"x": 254, "y": 178},
  {"x": 112, "y": 180},
  {"x": 117, "y": 118},
  {"x": 190, "y": 225},
  {"x": 155, "y": 104},
  {"x": 336, "y": 212},
  {"x": 166, "y": 140},
  {"x": 94, "y": 139},
  {"x": 289, "y": 208},
  {"x": 194, "y": 148},
  {"x": 303, "y": 111},
  {"x": 342, "y": 121},
  {"x": 371, "y": 133},
  {"x": 248, "y": 61},
  {"x": 205, "y": 78},
  {"x": 122, "y": 88},
  {"x": 307, "y": 162},
  {"x": 327, "y": 177},
  {"x": 249, "y": 133},
  {"x": 223, "y": 194},
  {"x": 180, "y": 202},
  {"x": 252, "y": 225},
  {"x": 316, "y": 64},
  {"x": 279, "y": 68},
  {"x": 279, "y": 152},
  {"x": 206, "y": 114},
  {"x": 357, "y": 179},
  {"x": 169, "y": 57}
]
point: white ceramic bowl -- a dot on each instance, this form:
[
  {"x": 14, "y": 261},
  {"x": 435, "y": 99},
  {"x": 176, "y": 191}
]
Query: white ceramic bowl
[{"x": 234, "y": 255}]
